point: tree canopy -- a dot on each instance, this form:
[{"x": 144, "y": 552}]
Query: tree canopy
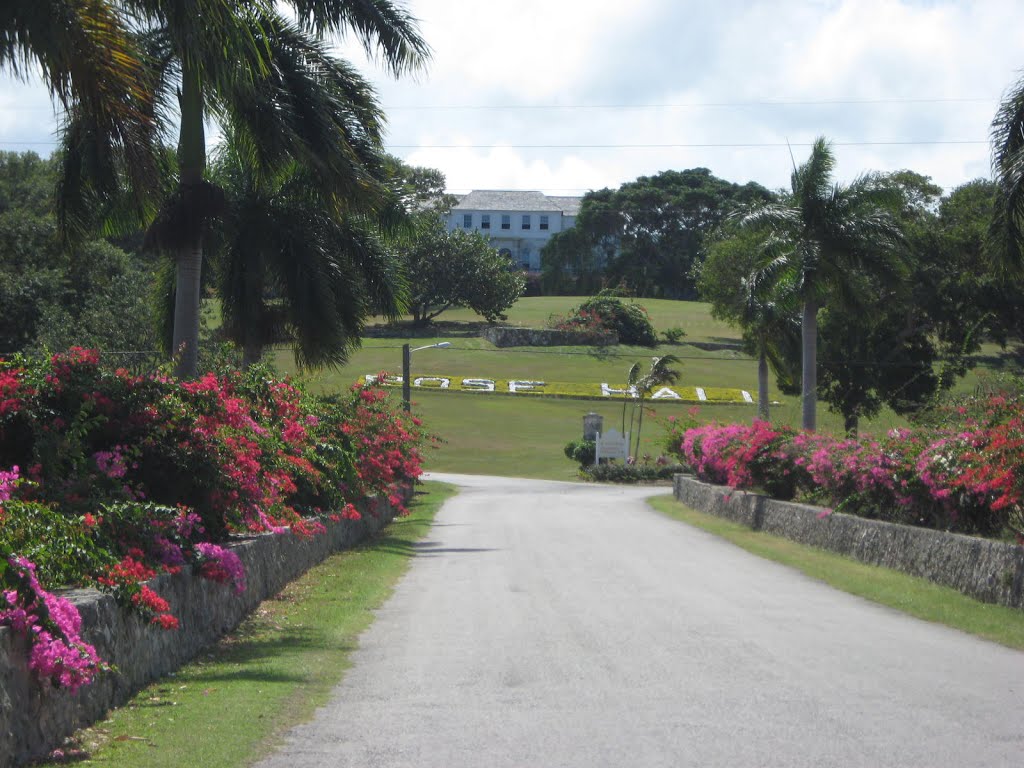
[
  {"x": 649, "y": 234},
  {"x": 274, "y": 83}
]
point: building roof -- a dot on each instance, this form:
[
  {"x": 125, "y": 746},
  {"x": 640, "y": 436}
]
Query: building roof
[
  {"x": 570, "y": 205},
  {"x": 513, "y": 200}
]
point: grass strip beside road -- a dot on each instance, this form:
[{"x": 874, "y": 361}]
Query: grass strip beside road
[
  {"x": 915, "y": 596},
  {"x": 233, "y": 703}
]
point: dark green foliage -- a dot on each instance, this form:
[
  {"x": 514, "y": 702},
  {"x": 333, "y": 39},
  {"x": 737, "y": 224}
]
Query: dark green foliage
[
  {"x": 643, "y": 472},
  {"x": 290, "y": 268},
  {"x": 570, "y": 265},
  {"x": 673, "y": 335},
  {"x": 817, "y": 239},
  {"x": 649, "y": 234},
  {"x": 629, "y": 321},
  {"x": 582, "y": 452},
  {"x": 54, "y": 295},
  {"x": 448, "y": 269},
  {"x": 59, "y": 545}
]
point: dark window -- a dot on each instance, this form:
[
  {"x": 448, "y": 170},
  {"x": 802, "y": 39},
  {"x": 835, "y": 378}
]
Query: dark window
[
  {"x": 485, "y": 221},
  {"x": 543, "y": 222},
  {"x": 506, "y": 221},
  {"x": 467, "y": 220},
  {"x": 526, "y": 221}
]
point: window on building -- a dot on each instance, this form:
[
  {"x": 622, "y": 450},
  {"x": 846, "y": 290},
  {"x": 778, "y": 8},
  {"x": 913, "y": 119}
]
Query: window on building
[
  {"x": 543, "y": 222},
  {"x": 467, "y": 220},
  {"x": 485, "y": 221},
  {"x": 526, "y": 221},
  {"x": 506, "y": 221}
]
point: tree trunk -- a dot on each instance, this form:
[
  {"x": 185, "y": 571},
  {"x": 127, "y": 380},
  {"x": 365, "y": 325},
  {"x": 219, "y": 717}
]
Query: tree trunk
[
  {"x": 192, "y": 164},
  {"x": 252, "y": 353},
  {"x": 186, "y": 312},
  {"x": 851, "y": 423},
  {"x": 253, "y": 331},
  {"x": 762, "y": 384},
  {"x": 809, "y": 364},
  {"x": 639, "y": 429}
]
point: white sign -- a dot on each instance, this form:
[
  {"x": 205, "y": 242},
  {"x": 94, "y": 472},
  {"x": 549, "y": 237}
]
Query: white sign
[
  {"x": 442, "y": 383},
  {"x": 666, "y": 393},
  {"x": 478, "y": 385},
  {"x": 607, "y": 391},
  {"x": 611, "y": 445},
  {"x": 523, "y": 386}
]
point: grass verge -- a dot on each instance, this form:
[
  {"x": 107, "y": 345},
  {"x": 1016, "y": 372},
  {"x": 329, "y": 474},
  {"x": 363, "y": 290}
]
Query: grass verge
[
  {"x": 233, "y": 703},
  {"x": 912, "y": 595}
]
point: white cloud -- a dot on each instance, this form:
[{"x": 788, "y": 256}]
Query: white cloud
[{"x": 723, "y": 60}]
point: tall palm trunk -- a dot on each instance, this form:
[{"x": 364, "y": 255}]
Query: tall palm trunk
[
  {"x": 253, "y": 331},
  {"x": 809, "y": 364},
  {"x": 762, "y": 381},
  {"x": 639, "y": 428},
  {"x": 192, "y": 164}
]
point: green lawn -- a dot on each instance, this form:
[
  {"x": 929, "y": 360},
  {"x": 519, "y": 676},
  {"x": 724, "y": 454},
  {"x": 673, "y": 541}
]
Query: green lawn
[
  {"x": 503, "y": 435},
  {"x": 534, "y": 311}
]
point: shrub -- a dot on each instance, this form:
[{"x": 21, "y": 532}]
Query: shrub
[
  {"x": 583, "y": 452},
  {"x": 645, "y": 471},
  {"x": 628, "y": 321},
  {"x": 964, "y": 472},
  {"x": 109, "y": 478},
  {"x": 673, "y": 335}
]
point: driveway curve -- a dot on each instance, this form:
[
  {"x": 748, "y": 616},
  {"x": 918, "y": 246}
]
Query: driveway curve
[{"x": 561, "y": 624}]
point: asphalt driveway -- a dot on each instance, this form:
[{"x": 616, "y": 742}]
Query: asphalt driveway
[{"x": 558, "y": 624}]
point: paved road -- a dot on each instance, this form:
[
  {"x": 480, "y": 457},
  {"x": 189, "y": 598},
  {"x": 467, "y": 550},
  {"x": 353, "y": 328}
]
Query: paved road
[{"x": 553, "y": 624}]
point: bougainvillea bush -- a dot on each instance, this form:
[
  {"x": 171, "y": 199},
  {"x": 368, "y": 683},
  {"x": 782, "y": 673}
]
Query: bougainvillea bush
[
  {"x": 109, "y": 478},
  {"x": 964, "y": 472}
]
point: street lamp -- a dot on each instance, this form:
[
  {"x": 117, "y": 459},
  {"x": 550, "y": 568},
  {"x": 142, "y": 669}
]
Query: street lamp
[{"x": 406, "y": 360}]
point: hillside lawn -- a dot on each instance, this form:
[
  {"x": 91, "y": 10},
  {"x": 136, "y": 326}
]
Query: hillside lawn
[{"x": 506, "y": 435}]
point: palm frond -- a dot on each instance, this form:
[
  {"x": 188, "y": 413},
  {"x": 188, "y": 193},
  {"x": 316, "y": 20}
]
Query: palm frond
[
  {"x": 1007, "y": 134},
  {"x": 381, "y": 26},
  {"x": 311, "y": 109}
]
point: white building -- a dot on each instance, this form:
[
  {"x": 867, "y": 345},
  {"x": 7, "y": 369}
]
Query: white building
[{"x": 518, "y": 223}]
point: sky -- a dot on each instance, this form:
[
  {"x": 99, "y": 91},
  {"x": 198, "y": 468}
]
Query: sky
[{"x": 565, "y": 96}]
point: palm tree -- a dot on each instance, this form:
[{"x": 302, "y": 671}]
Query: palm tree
[
  {"x": 820, "y": 233},
  {"x": 93, "y": 66},
  {"x": 289, "y": 268},
  {"x": 273, "y": 81},
  {"x": 1008, "y": 170},
  {"x": 658, "y": 375},
  {"x": 766, "y": 314},
  {"x": 631, "y": 377}
]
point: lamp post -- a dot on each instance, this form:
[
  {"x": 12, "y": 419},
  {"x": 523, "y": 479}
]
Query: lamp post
[{"x": 406, "y": 363}]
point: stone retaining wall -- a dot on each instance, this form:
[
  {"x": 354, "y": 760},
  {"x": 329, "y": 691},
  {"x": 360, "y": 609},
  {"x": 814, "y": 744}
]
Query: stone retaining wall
[
  {"x": 501, "y": 336},
  {"x": 986, "y": 570},
  {"x": 34, "y": 720}
]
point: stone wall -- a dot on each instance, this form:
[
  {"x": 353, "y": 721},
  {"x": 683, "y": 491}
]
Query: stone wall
[
  {"x": 501, "y": 336},
  {"x": 35, "y": 720},
  {"x": 986, "y": 570}
]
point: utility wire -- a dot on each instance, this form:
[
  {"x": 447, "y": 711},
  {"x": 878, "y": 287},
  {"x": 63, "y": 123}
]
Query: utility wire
[
  {"x": 684, "y": 105},
  {"x": 693, "y": 145},
  {"x": 708, "y": 145},
  {"x": 678, "y": 105}
]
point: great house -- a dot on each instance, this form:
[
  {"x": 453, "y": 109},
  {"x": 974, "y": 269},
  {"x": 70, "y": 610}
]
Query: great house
[{"x": 518, "y": 223}]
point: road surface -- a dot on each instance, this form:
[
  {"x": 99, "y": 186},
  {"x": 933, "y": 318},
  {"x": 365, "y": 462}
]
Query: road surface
[{"x": 558, "y": 624}]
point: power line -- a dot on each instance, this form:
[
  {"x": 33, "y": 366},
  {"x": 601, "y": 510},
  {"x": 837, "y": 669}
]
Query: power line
[
  {"x": 710, "y": 145},
  {"x": 842, "y": 101},
  {"x": 695, "y": 145},
  {"x": 688, "y": 105}
]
